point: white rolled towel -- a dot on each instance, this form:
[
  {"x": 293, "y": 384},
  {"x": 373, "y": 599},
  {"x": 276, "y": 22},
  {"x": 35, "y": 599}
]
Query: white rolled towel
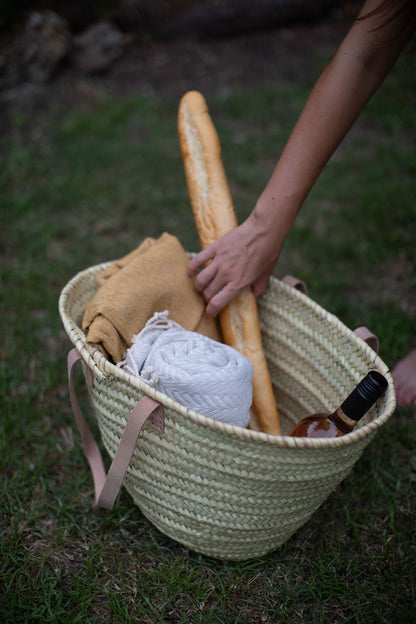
[{"x": 198, "y": 372}]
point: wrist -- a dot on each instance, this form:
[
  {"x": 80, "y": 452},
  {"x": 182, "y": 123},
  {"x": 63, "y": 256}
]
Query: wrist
[{"x": 275, "y": 213}]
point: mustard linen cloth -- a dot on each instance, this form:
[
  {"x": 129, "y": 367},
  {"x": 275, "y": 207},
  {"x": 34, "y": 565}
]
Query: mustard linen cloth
[{"x": 150, "y": 279}]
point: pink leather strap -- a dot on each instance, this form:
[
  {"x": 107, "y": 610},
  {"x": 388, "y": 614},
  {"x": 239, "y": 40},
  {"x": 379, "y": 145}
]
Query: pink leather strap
[
  {"x": 145, "y": 409},
  {"x": 371, "y": 339},
  {"x": 295, "y": 283},
  {"x": 91, "y": 450},
  {"x": 107, "y": 487}
]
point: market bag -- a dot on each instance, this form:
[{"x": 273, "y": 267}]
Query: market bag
[{"x": 219, "y": 489}]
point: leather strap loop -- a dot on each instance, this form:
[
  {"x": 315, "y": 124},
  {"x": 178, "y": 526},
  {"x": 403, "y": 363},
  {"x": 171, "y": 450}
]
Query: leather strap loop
[
  {"x": 296, "y": 283},
  {"x": 107, "y": 487},
  {"x": 371, "y": 339},
  {"x": 91, "y": 450},
  {"x": 145, "y": 409}
]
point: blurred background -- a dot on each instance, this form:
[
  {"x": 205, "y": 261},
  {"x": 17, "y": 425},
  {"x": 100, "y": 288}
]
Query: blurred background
[{"x": 163, "y": 45}]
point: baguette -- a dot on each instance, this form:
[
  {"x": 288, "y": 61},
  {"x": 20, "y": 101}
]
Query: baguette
[{"x": 214, "y": 216}]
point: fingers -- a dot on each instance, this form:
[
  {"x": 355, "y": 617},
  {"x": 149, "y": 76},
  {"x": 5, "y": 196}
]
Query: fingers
[
  {"x": 209, "y": 283},
  {"x": 216, "y": 292},
  {"x": 260, "y": 286},
  {"x": 217, "y": 297},
  {"x": 220, "y": 300},
  {"x": 200, "y": 259},
  {"x": 227, "y": 266},
  {"x": 206, "y": 280}
]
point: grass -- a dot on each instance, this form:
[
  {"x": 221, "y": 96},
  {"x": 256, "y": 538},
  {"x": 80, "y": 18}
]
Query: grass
[{"x": 88, "y": 186}]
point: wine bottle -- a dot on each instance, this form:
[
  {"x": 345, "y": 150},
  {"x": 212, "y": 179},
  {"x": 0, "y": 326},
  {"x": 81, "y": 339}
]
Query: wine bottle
[{"x": 346, "y": 416}]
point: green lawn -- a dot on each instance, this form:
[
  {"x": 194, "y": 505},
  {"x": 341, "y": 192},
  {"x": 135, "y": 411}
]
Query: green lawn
[{"x": 89, "y": 190}]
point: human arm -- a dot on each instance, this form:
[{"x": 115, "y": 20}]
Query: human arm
[{"x": 247, "y": 255}]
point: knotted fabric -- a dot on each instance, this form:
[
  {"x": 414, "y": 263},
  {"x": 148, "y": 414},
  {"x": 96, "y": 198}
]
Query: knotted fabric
[{"x": 200, "y": 373}]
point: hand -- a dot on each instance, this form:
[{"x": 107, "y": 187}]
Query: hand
[{"x": 244, "y": 257}]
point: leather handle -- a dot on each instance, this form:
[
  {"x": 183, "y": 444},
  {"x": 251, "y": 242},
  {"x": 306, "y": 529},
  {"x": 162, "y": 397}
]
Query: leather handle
[
  {"x": 91, "y": 450},
  {"x": 371, "y": 339},
  {"x": 145, "y": 410},
  {"x": 296, "y": 283},
  {"x": 107, "y": 486}
]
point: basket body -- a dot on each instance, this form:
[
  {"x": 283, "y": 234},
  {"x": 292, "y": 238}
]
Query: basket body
[{"x": 222, "y": 490}]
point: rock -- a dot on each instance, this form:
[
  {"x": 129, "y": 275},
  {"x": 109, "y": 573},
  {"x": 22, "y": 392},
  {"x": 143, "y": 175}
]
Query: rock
[
  {"x": 97, "y": 48},
  {"x": 38, "y": 49}
]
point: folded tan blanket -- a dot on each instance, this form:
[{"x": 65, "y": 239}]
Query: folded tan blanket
[{"x": 150, "y": 279}]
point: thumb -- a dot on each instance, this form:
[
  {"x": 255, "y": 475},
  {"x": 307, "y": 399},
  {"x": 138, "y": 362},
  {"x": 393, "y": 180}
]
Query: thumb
[{"x": 260, "y": 285}]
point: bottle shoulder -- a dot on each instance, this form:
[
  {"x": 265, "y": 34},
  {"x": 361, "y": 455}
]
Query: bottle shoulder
[{"x": 317, "y": 426}]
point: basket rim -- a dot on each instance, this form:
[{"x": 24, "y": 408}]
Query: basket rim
[{"x": 105, "y": 370}]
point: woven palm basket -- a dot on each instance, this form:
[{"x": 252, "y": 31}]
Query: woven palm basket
[{"x": 225, "y": 491}]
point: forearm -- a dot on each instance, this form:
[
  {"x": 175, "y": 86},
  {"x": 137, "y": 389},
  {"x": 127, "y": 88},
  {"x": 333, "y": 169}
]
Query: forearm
[
  {"x": 327, "y": 117},
  {"x": 333, "y": 106},
  {"x": 247, "y": 255}
]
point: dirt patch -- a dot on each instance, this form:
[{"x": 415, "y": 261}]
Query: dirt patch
[
  {"x": 172, "y": 66},
  {"x": 213, "y": 64}
]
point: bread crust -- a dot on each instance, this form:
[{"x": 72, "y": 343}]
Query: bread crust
[{"x": 214, "y": 216}]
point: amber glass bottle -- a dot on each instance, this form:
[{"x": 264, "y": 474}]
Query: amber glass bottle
[{"x": 344, "y": 419}]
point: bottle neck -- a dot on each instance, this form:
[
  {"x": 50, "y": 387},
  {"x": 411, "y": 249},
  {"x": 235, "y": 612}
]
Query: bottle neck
[
  {"x": 342, "y": 421},
  {"x": 364, "y": 396}
]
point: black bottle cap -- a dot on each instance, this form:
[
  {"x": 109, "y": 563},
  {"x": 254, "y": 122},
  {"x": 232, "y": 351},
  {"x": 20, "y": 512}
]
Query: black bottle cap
[{"x": 364, "y": 395}]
